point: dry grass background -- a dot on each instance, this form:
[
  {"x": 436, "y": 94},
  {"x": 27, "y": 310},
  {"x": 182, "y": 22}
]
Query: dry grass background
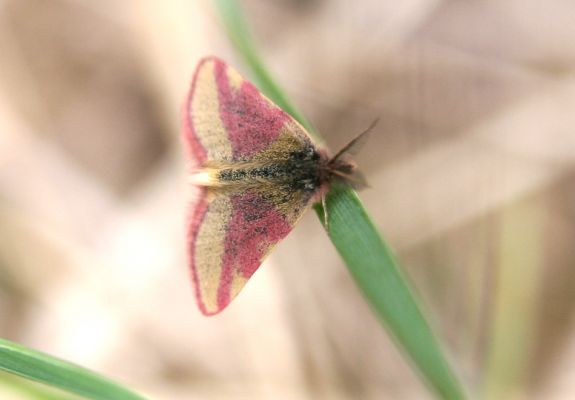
[{"x": 472, "y": 173}]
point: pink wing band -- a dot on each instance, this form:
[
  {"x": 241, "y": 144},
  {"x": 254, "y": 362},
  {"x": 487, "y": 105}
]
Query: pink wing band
[
  {"x": 255, "y": 225},
  {"x": 252, "y": 122}
]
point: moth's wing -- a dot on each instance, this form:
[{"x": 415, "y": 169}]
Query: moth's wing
[
  {"x": 231, "y": 233},
  {"x": 227, "y": 119}
]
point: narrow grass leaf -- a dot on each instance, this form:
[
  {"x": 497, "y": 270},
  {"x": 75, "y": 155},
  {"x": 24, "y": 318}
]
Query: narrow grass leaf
[
  {"x": 373, "y": 266},
  {"x": 72, "y": 378}
]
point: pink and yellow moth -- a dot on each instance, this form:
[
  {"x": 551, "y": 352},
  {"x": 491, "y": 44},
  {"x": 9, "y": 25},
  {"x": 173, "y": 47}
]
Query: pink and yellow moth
[{"x": 257, "y": 171}]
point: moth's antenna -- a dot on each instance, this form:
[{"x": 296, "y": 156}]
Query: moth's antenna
[{"x": 358, "y": 140}]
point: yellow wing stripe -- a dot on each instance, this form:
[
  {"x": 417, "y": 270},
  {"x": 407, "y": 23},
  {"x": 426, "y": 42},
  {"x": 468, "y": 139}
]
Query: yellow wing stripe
[
  {"x": 205, "y": 111},
  {"x": 209, "y": 250}
]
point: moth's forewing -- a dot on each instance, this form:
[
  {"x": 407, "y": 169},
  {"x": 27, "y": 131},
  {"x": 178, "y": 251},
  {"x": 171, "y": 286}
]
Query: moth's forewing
[{"x": 229, "y": 124}]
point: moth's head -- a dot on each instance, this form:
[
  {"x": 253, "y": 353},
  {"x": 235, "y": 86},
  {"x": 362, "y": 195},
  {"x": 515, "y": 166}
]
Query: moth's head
[{"x": 341, "y": 166}]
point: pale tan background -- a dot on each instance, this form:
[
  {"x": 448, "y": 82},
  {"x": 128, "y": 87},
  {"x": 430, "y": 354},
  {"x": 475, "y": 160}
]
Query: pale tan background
[{"x": 472, "y": 173}]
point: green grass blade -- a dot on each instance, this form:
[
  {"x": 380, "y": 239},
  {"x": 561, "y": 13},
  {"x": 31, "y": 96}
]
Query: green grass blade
[
  {"x": 22, "y": 388},
  {"x": 369, "y": 260},
  {"x": 51, "y": 371},
  {"x": 376, "y": 272}
]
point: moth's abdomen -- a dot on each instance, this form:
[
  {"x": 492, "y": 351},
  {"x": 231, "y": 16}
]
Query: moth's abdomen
[{"x": 295, "y": 175}]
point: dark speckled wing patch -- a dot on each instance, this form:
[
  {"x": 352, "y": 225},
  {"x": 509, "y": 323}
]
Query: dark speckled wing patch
[{"x": 257, "y": 171}]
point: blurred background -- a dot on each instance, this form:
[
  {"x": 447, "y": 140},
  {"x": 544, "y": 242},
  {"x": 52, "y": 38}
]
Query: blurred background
[{"x": 471, "y": 168}]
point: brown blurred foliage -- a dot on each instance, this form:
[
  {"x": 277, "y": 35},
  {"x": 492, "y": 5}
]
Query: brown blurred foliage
[{"x": 472, "y": 172}]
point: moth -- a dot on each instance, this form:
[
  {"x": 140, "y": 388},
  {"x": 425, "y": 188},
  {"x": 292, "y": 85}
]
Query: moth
[{"x": 256, "y": 170}]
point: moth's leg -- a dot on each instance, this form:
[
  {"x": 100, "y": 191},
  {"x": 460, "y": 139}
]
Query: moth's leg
[{"x": 324, "y": 206}]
